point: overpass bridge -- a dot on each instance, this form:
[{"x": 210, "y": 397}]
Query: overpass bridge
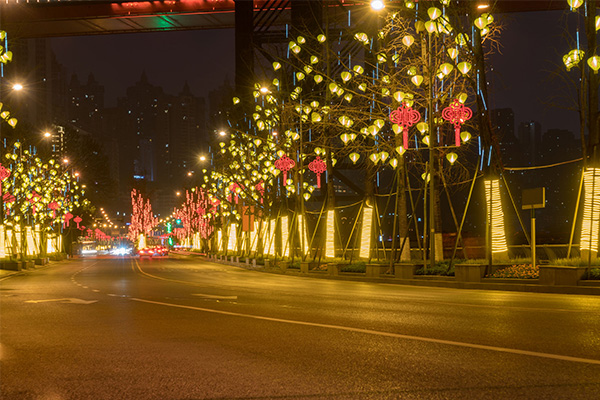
[{"x": 53, "y": 18}]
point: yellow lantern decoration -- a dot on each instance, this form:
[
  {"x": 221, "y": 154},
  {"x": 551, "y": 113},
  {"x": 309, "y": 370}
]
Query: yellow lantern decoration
[
  {"x": 430, "y": 26},
  {"x": 464, "y": 67},
  {"x": 394, "y": 163},
  {"x": 574, "y": 4},
  {"x": 426, "y": 140},
  {"x": 345, "y": 138},
  {"x": 462, "y": 97},
  {"x": 594, "y": 63},
  {"x": 321, "y": 38},
  {"x": 358, "y": 69},
  {"x": 453, "y": 53},
  {"x": 434, "y": 12},
  {"x": 384, "y": 156},
  {"x": 300, "y": 76},
  {"x": 314, "y": 59},
  {"x": 354, "y": 157},
  {"x": 318, "y": 79},
  {"x": 374, "y": 157},
  {"x": 446, "y": 68},
  {"x": 408, "y": 40},
  {"x": 276, "y": 66},
  {"x": 451, "y": 157},
  {"x": 465, "y": 136},
  {"x": 346, "y": 76},
  {"x": 400, "y": 150},
  {"x": 362, "y": 37},
  {"x": 398, "y": 96},
  {"x": 417, "y": 80},
  {"x": 422, "y": 127}
]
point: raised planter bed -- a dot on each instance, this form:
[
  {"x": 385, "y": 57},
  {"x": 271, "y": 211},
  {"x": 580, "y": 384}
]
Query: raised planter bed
[
  {"x": 376, "y": 270},
  {"x": 12, "y": 265},
  {"x": 405, "y": 270},
  {"x": 560, "y": 275}
]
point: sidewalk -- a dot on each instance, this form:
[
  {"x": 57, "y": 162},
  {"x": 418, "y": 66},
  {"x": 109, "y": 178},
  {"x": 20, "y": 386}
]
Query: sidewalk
[{"x": 586, "y": 288}]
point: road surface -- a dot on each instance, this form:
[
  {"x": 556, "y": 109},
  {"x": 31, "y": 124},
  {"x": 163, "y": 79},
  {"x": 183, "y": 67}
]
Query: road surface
[{"x": 126, "y": 328}]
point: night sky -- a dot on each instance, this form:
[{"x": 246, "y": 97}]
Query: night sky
[
  {"x": 532, "y": 47},
  {"x": 202, "y": 58}
]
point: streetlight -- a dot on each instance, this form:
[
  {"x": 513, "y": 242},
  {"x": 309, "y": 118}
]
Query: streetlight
[
  {"x": 17, "y": 87},
  {"x": 222, "y": 133},
  {"x": 377, "y": 5},
  {"x": 202, "y": 158}
]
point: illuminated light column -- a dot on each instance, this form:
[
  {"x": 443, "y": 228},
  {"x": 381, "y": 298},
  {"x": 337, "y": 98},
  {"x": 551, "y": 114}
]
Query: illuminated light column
[
  {"x": 365, "y": 234},
  {"x": 254, "y": 237},
  {"x": 303, "y": 235},
  {"x": 2, "y": 242},
  {"x": 37, "y": 237},
  {"x": 494, "y": 207},
  {"x": 588, "y": 243},
  {"x": 51, "y": 244},
  {"x": 271, "y": 238},
  {"x": 232, "y": 237},
  {"x": 285, "y": 236},
  {"x": 30, "y": 241},
  {"x": 142, "y": 242},
  {"x": 330, "y": 234},
  {"x": 219, "y": 240}
]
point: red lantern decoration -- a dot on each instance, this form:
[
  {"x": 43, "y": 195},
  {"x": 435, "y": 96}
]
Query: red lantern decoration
[
  {"x": 405, "y": 117},
  {"x": 261, "y": 189},
  {"x": 284, "y": 164},
  {"x": 68, "y": 217},
  {"x": 4, "y": 173},
  {"x": 77, "y": 221},
  {"x": 457, "y": 114},
  {"x": 53, "y": 206},
  {"x": 318, "y": 166}
]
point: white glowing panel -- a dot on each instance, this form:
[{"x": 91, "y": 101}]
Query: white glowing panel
[
  {"x": 232, "y": 235},
  {"x": 142, "y": 242},
  {"x": 365, "y": 234},
  {"x": 330, "y": 234},
  {"x": 2, "y": 242},
  {"x": 285, "y": 236},
  {"x": 254, "y": 237},
  {"x": 591, "y": 210},
  {"x": 494, "y": 206},
  {"x": 303, "y": 236},
  {"x": 30, "y": 242},
  {"x": 271, "y": 237},
  {"x": 219, "y": 240}
]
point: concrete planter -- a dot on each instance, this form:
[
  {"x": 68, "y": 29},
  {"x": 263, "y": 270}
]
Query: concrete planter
[
  {"x": 304, "y": 267},
  {"x": 41, "y": 261},
  {"x": 267, "y": 263},
  {"x": 469, "y": 272},
  {"x": 404, "y": 271},
  {"x": 333, "y": 269},
  {"x": 375, "y": 270},
  {"x": 560, "y": 275},
  {"x": 28, "y": 264},
  {"x": 283, "y": 265},
  {"x": 12, "y": 265}
]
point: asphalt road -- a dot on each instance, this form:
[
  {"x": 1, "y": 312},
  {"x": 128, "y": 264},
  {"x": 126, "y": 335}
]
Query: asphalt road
[{"x": 170, "y": 329}]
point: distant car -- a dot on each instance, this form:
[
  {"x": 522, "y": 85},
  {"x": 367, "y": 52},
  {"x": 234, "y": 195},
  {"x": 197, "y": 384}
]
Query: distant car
[{"x": 153, "y": 251}]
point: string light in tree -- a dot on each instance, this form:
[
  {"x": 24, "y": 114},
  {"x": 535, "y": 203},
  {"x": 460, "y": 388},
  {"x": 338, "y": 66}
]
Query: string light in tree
[{"x": 457, "y": 114}]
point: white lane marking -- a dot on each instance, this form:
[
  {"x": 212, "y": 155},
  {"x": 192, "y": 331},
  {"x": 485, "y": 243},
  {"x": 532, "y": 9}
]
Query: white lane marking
[
  {"x": 64, "y": 301},
  {"x": 380, "y": 333},
  {"x": 95, "y": 290},
  {"x": 214, "y": 297}
]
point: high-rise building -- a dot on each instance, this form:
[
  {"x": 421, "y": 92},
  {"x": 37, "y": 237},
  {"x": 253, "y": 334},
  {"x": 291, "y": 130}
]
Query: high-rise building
[{"x": 530, "y": 137}]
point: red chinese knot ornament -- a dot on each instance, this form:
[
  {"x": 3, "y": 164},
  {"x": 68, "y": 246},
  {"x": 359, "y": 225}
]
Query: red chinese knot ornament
[
  {"x": 284, "y": 164},
  {"x": 405, "y": 117},
  {"x": 318, "y": 166},
  {"x": 457, "y": 114}
]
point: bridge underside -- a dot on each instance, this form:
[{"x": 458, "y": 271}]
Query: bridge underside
[{"x": 48, "y": 18}]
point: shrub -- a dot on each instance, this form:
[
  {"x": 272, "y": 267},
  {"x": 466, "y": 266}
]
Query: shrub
[
  {"x": 592, "y": 273},
  {"x": 294, "y": 265},
  {"x": 359, "y": 266},
  {"x": 440, "y": 268}
]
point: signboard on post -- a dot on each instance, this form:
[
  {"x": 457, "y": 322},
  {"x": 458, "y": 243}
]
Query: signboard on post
[
  {"x": 533, "y": 198},
  {"x": 530, "y": 200}
]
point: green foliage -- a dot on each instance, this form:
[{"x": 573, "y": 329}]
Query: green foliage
[
  {"x": 576, "y": 262},
  {"x": 440, "y": 268},
  {"x": 592, "y": 274},
  {"x": 355, "y": 267}
]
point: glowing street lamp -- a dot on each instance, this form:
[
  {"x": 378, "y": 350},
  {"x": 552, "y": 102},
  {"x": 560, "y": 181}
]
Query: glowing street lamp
[{"x": 377, "y": 5}]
